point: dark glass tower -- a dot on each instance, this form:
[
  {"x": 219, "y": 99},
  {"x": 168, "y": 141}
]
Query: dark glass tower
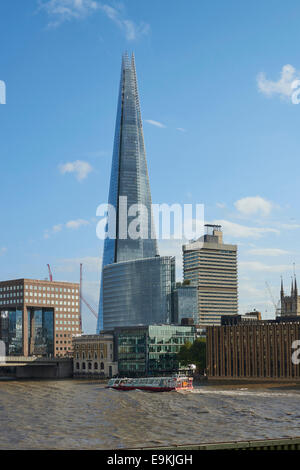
[{"x": 129, "y": 178}]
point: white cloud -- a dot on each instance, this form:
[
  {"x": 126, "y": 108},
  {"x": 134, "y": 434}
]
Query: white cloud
[
  {"x": 71, "y": 224},
  {"x": 261, "y": 267},
  {"x": 3, "y": 250},
  {"x": 131, "y": 30},
  {"x": 283, "y": 86},
  {"x": 66, "y": 10},
  {"x": 242, "y": 231},
  {"x": 268, "y": 252},
  {"x": 80, "y": 168},
  {"x": 253, "y": 205},
  {"x": 289, "y": 226},
  {"x": 60, "y": 11},
  {"x": 221, "y": 205},
  {"x": 181, "y": 129},
  {"x": 75, "y": 224},
  {"x": 155, "y": 123},
  {"x": 57, "y": 228}
]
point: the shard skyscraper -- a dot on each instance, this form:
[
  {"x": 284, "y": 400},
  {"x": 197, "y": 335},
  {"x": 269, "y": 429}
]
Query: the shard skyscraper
[{"x": 135, "y": 281}]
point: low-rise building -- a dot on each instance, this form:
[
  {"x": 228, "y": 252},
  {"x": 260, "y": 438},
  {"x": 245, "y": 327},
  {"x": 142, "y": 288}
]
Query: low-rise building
[
  {"x": 150, "y": 350},
  {"x": 94, "y": 356},
  {"x": 253, "y": 350}
]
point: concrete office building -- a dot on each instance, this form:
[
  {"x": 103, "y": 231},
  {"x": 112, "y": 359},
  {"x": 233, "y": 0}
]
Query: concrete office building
[
  {"x": 251, "y": 350},
  {"x": 39, "y": 317},
  {"x": 211, "y": 265}
]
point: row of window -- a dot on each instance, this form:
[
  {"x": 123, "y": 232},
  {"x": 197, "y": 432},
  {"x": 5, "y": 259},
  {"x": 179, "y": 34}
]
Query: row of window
[
  {"x": 8, "y": 288},
  {"x": 90, "y": 366},
  {"x": 56, "y": 289}
]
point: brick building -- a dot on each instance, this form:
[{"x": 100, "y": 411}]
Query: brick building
[
  {"x": 39, "y": 317},
  {"x": 259, "y": 350}
]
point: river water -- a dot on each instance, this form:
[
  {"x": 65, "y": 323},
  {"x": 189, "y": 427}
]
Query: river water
[{"x": 78, "y": 414}]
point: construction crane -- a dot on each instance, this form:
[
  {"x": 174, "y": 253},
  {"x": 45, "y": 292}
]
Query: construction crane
[
  {"x": 82, "y": 299},
  {"x": 276, "y": 305},
  {"x": 50, "y": 273}
]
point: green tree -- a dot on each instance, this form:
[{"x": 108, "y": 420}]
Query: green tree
[{"x": 193, "y": 353}]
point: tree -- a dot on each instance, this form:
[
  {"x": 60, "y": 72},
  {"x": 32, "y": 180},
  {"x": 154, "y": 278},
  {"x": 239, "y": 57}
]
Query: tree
[{"x": 193, "y": 353}]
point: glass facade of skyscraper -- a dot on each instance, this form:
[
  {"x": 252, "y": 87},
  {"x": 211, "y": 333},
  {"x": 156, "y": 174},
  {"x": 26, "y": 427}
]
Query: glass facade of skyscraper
[{"x": 138, "y": 292}]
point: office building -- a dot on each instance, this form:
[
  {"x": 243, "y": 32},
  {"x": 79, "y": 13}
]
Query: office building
[
  {"x": 127, "y": 258},
  {"x": 150, "y": 350},
  {"x": 244, "y": 349},
  {"x": 39, "y": 317},
  {"x": 138, "y": 292},
  {"x": 94, "y": 356},
  {"x": 211, "y": 265},
  {"x": 185, "y": 303}
]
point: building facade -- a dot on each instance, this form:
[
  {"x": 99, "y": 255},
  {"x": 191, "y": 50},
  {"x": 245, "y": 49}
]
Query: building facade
[
  {"x": 151, "y": 350},
  {"x": 253, "y": 350},
  {"x": 290, "y": 304},
  {"x": 94, "y": 356},
  {"x": 185, "y": 303},
  {"x": 211, "y": 265},
  {"x": 39, "y": 317},
  {"x": 138, "y": 292},
  {"x": 130, "y": 198}
]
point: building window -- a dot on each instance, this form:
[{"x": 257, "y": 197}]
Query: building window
[
  {"x": 90, "y": 365},
  {"x": 96, "y": 365},
  {"x": 77, "y": 366},
  {"x": 102, "y": 366}
]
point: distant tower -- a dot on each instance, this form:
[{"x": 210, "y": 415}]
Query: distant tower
[
  {"x": 290, "y": 304},
  {"x": 281, "y": 290}
]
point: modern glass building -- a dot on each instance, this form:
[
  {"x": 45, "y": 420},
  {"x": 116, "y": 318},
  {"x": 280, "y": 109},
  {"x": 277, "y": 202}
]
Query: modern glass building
[
  {"x": 150, "y": 350},
  {"x": 138, "y": 292},
  {"x": 185, "y": 303},
  {"x": 126, "y": 294},
  {"x": 11, "y": 331},
  {"x": 40, "y": 331}
]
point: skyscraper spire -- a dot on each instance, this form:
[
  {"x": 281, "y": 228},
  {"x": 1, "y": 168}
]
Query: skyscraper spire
[
  {"x": 281, "y": 290},
  {"x": 295, "y": 288},
  {"x": 129, "y": 182}
]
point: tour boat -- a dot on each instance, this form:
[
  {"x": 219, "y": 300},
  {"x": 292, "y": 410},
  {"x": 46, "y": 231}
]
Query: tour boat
[{"x": 155, "y": 384}]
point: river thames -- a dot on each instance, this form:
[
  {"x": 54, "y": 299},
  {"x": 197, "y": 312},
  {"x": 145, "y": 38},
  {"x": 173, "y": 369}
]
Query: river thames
[{"x": 78, "y": 414}]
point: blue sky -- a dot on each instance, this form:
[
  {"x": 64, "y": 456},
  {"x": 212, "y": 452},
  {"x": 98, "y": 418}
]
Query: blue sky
[{"x": 215, "y": 79}]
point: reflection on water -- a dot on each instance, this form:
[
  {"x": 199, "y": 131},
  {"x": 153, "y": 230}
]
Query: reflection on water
[{"x": 73, "y": 414}]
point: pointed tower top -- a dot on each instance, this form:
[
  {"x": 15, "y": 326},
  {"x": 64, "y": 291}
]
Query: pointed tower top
[
  {"x": 295, "y": 288},
  {"x": 292, "y": 288},
  {"x": 281, "y": 290}
]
